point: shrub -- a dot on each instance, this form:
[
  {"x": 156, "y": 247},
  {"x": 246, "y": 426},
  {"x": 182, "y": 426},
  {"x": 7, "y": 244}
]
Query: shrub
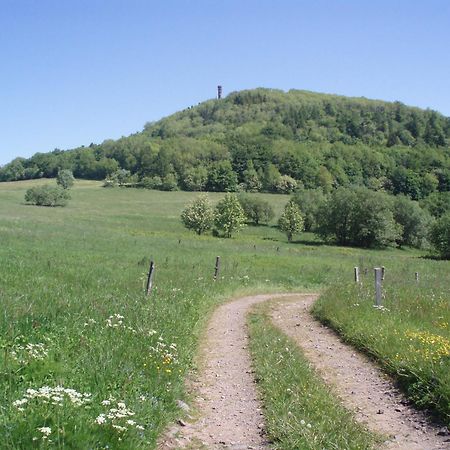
[
  {"x": 256, "y": 209},
  {"x": 169, "y": 183},
  {"x": 229, "y": 215},
  {"x": 440, "y": 236},
  {"x": 47, "y": 196},
  {"x": 198, "y": 215},
  {"x": 291, "y": 221},
  {"x": 151, "y": 182},
  {"x": 65, "y": 179}
]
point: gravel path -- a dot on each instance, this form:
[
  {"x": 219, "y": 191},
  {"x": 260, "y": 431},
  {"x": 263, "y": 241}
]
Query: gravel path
[
  {"x": 227, "y": 403},
  {"x": 360, "y": 384}
]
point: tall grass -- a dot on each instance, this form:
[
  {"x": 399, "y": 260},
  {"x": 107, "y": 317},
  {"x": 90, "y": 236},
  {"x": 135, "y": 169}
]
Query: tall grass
[{"x": 409, "y": 335}]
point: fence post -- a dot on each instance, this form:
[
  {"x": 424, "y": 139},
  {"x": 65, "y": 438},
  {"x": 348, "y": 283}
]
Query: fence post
[
  {"x": 383, "y": 272},
  {"x": 377, "y": 271},
  {"x": 356, "y": 270},
  {"x": 217, "y": 268},
  {"x": 417, "y": 276},
  {"x": 151, "y": 271}
]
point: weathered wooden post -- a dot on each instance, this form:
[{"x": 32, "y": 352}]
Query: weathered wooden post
[
  {"x": 217, "y": 268},
  {"x": 383, "y": 272},
  {"x": 377, "y": 286},
  {"x": 151, "y": 271},
  {"x": 356, "y": 270},
  {"x": 417, "y": 276}
]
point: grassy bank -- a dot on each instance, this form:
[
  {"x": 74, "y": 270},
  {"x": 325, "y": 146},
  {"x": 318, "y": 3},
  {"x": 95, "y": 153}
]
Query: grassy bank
[
  {"x": 74, "y": 316},
  {"x": 409, "y": 335},
  {"x": 295, "y": 398}
]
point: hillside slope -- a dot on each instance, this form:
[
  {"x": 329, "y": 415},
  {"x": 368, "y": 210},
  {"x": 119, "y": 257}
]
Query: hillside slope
[{"x": 265, "y": 139}]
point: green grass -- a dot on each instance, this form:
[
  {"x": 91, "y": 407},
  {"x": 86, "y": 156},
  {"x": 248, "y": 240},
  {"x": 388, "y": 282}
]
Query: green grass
[
  {"x": 294, "y": 398},
  {"x": 409, "y": 336},
  {"x": 65, "y": 271}
]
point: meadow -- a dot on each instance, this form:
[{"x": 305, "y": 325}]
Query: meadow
[{"x": 89, "y": 361}]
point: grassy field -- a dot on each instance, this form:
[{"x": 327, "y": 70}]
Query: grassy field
[{"x": 87, "y": 360}]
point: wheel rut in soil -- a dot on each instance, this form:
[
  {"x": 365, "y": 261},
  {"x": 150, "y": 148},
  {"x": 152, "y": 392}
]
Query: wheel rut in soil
[{"x": 226, "y": 399}]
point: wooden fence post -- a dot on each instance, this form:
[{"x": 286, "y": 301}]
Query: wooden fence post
[
  {"x": 356, "y": 270},
  {"x": 217, "y": 268},
  {"x": 383, "y": 272},
  {"x": 416, "y": 275},
  {"x": 151, "y": 271},
  {"x": 377, "y": 286}
]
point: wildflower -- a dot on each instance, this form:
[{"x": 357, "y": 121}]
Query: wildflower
[{"x": 46, "y": 431}]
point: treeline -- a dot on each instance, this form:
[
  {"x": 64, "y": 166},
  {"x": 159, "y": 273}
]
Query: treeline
[{"x": 271, "y": 141}]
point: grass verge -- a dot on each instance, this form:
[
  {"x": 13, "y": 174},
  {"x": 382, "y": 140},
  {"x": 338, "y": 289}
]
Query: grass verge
[
  {"x": 408, "y": 336},
  {"x": 300, "y": 410}
]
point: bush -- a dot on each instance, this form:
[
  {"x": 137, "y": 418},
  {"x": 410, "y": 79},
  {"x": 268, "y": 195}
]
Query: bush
[
  {"x": 291, "y": 221},
  {"x": 257, "y": 210},
  {"x": 198, "y": 215},
  {"x": 440, "y": 236},
  {"x": 65, "y": 179},
  {"x": 229, "y": 215},
  {"x": 47, "y": 196},
  {"x": 151, "y": 182}
]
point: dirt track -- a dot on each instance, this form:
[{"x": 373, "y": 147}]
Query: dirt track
[{"x": 227, "y": 401}]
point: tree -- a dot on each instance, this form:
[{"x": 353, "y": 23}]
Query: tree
[
  {"x": 198, "y": 215},
  {"x": 47, "y": 196},
  {"x": 256, "y": 209},
  {"x": 359, "y": 217},
  {"x": 413, "y": 219},
  {"x": 250, "y": 178},
  {"x": 309, "y": 201},
  {"x": 440, "y": 236},
  {"x": 291, "y": 221},
  {"x": 229, "y": 215},
  {"x": 285, "y": 184},
  {"x": 65, "y": 179},
  {"x": 221, "y": 177}
]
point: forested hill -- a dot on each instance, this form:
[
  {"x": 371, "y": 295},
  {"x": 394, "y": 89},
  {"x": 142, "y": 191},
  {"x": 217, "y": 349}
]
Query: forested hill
[{"x": 270, "y": 140}]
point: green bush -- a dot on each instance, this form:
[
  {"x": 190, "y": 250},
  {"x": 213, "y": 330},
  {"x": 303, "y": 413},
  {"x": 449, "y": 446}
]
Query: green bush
[{"x": 47, "y": 196}]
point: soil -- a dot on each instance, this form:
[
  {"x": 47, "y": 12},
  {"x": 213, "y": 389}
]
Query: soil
[{"x": 225, "y": 399}]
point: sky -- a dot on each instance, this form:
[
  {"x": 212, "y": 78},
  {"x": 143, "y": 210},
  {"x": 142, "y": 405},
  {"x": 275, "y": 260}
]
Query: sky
[{"x": 74, "y": 72}]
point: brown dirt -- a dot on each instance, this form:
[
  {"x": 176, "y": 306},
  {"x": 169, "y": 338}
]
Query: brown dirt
[
  {"x": 359, "y": 383},
  {"x": 226, "y": 400}
]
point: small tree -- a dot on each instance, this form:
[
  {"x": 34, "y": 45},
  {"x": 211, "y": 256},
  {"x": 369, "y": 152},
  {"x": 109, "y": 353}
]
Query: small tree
[
  {"x": 291, "y": 221},
  {"x": 198, "y": 215},
  {"x": 285, "y": 184},
  {"x": 65, "y": 179},
  {"x": 229, "y": 215},
  {"x": 440, "y": 236},
  {"x": 256, "y": 209}
]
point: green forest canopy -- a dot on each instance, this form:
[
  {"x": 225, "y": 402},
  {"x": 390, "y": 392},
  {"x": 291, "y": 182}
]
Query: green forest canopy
[{"x": 270, "y": 140}]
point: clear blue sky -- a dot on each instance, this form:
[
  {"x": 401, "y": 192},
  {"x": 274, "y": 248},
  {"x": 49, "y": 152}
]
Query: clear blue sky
[{"x": 80, "y": 71}]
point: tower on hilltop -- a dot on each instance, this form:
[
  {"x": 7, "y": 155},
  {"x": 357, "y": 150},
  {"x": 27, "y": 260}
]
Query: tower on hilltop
[{"x": 219, "y": 92}]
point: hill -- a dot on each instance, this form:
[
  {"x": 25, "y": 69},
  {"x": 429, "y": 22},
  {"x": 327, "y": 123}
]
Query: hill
[{"x": 270, "y": 140}]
